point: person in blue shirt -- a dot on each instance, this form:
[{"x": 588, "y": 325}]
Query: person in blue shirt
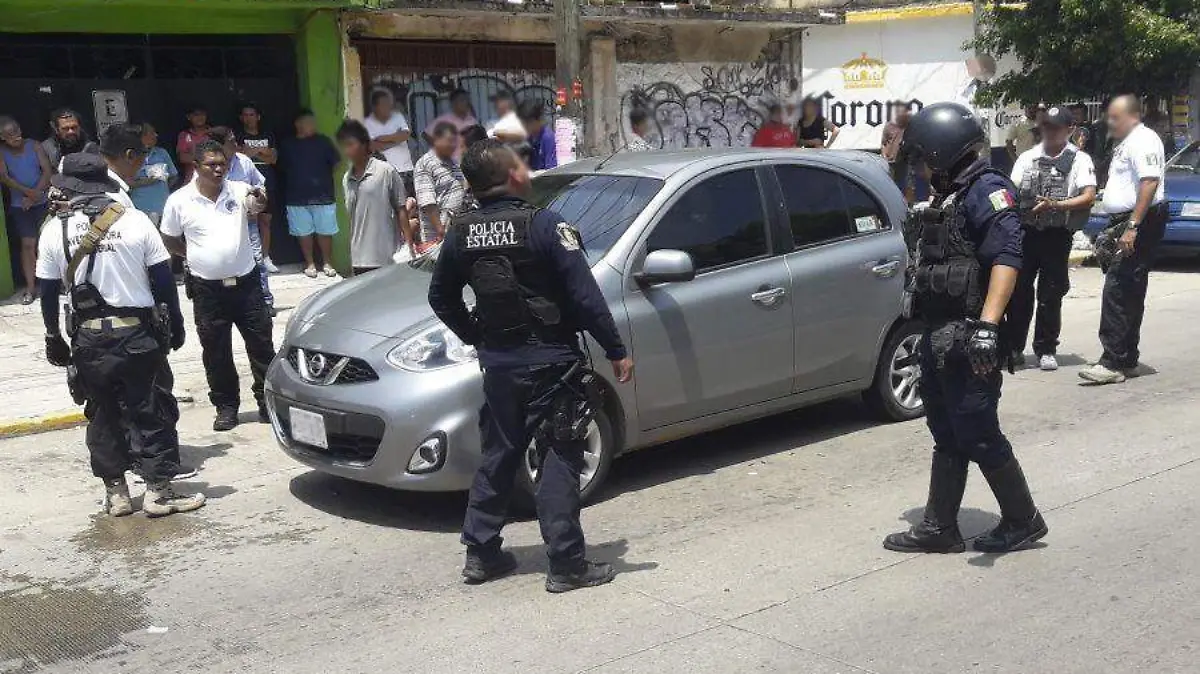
[
  {"x": 543, "y": 148},
  {"x": 155, "y": 179},
  {"x": 534, "y": 292},
  {"x": 966, "y": 251}
]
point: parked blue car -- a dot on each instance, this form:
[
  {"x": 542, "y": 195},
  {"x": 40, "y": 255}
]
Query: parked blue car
[{"x": 1183, "y": 195}]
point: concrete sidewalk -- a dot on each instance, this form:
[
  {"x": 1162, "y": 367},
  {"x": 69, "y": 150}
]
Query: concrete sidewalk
[{"x": 35, "y": 392}]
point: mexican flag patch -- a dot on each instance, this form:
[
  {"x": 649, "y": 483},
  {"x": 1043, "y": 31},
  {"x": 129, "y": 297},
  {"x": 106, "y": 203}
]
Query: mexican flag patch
[{"x": 1001, "y": 200}]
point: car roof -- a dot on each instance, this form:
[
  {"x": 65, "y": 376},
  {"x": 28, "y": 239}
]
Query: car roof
[{"x": 664, "y": 164}]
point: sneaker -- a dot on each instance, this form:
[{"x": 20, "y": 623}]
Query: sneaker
[
  {"x": 270, "y": 266},
  {"x": 184, "y": 473},
  {"x": 226, "y": 420},
  {"x": 1048, "y": 362},
  {"x": 586, "y": 574},
  {"x": 330, "y": 271},
  {"x": 1100, "y": 374},
  {"x": 162, "y": 499},
  {"x": 310, "y": 271},
  {"x": 116, "y": 498},
  {"x": 482, "y": 568}
]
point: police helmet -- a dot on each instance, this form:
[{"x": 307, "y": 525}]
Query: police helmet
[{"x": 942, "y": 134}]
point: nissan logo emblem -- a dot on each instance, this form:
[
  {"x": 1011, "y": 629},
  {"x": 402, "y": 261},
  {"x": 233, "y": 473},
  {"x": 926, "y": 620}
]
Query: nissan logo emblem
[{"x": 316, "y": 365}]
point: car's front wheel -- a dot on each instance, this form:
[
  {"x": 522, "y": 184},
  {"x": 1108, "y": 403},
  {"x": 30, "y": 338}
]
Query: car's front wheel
[
  {"x": 895, "y": 395},
  {"x": 598, "y": 452}
]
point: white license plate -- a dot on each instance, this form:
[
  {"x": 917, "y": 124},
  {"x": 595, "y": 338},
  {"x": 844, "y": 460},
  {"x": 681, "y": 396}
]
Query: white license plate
[
  {"x": 1191, "y": 210},
  {"x": 309, "y": 428}
]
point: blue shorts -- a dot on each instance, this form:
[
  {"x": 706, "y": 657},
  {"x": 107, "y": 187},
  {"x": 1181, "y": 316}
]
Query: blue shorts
[
  {"x": 309, "y": 220},
  {"x": 26, "y": 224}
]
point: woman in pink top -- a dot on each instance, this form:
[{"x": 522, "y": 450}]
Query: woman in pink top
[{"x": 460, "y": 115}]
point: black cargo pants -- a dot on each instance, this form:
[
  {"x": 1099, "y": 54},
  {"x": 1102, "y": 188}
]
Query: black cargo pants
[
  {"x": 1124, "y": 303},
  {"x": 516, "y": 400},
  {"x": 962, "y": 409},
  {"x": 1044, "y": 262},
  {"x": 218, "y": 308},
  {"x": 131, "y": 414}
]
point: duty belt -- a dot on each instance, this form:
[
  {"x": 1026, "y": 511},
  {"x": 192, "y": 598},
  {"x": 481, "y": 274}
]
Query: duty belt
[
  {"x": 231, "y": 282},
  {"x": 113, "y": 323}
]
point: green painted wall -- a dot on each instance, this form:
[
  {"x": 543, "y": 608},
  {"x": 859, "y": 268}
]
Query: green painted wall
[{"x": 313, "y": 22}]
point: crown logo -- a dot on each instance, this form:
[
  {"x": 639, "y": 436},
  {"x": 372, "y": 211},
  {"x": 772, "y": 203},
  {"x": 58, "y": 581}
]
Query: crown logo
[{"x": 864, "y": 73}]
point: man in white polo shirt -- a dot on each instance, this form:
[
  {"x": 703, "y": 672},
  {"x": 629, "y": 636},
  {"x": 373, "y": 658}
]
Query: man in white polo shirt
[
  {"x": 1056, "y": 189},
  {"x": 390, "y": 133},
  {"x": 205, "y": 222},
  {"x": 1136, "y": 201}
]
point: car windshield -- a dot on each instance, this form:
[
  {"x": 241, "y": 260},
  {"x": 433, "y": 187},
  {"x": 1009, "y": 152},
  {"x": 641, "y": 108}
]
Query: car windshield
[
  {"x": 601, "y": 207},
  {"x": 1188, "y": 160}
]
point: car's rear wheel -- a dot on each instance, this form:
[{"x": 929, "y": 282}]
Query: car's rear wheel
[
  {"x": 895, "y": 395},
  {"x": 598, "y": 453}
]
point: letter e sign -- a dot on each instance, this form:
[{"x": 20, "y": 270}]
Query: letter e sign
[{"x": 110, "y": 108}]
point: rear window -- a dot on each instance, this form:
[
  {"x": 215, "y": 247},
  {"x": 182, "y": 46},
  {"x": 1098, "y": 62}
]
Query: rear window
[{"x": 601, "y": 207}]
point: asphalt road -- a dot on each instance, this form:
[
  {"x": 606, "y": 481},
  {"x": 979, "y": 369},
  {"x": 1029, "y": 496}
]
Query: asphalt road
[{"x": 755, "y": 548}]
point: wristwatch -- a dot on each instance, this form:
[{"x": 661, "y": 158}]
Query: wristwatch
[{"x": 1132, "y": 226}]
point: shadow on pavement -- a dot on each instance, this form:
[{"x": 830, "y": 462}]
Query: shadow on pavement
[
  {"x": 725, "y": 447},
  {"x": 971, "y": 521},
  {"x": 194, "y": 456},
  {"x": 380, "y": 506},
  {"x": 531, "y": 559}
]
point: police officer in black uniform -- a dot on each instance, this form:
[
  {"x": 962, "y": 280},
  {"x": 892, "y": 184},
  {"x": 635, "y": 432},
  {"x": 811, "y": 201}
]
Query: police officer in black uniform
[
  {"x": 966, "y": 253},
  {"x": 122, "y": 318},
  {"x": 534, "y": 292}
]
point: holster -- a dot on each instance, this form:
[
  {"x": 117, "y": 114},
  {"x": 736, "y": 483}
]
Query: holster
[
  {"x": 1106, "y": 247},
  {"x": 75, "y": 385},
  {"x": 575, "y": 399},
  {"x": 947, "y": 338}
]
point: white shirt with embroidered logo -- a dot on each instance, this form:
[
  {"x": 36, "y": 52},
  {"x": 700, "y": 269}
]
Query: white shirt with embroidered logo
[
  {"x": 218, "y": 242},
  {"x": 1139, "y": 157},
  {"x": 130, "y": 247}
]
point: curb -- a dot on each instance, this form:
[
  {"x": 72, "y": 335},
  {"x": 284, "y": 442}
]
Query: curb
[{"x": 11, "y": 428}]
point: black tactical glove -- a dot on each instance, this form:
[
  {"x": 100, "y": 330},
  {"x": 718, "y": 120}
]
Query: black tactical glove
[
  {"x": 57, "y": 351},
  {"x": 983, "y": 346},
  {"x": 178, "y": 334}
]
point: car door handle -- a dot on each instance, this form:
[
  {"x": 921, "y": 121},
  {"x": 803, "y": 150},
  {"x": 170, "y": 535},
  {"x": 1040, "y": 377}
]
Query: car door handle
[
  {"x": 768, "y": 296},
  {"x": 886, "y": 269}
]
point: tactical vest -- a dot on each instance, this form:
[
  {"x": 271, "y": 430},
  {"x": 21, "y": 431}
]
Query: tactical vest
[
  {"x": 1048, "y": 177},
  {"x": 947, "y": 282},
  {"x": 516, "y": 301}
]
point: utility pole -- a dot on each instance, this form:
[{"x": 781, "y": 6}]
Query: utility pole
[{"x": 567, "y": 39}]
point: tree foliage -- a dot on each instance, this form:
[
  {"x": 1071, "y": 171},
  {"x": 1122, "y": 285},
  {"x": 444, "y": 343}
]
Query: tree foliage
[{"x": 1081, "y": 49}]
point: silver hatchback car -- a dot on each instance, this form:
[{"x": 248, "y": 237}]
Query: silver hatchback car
[{"x": 744, "y": 282}]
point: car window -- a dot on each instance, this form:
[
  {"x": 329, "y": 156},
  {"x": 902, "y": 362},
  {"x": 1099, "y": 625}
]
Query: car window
[
  {"x": 601, "y": 207},
  {"x": 1187, "y": 160},
  {"x": 824, "y": 206},
  {"x": 719, "y": 221}
]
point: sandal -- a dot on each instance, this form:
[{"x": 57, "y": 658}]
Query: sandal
[
  {"x": 310, "y": 272},
  {"x": 330, "y": 272}
]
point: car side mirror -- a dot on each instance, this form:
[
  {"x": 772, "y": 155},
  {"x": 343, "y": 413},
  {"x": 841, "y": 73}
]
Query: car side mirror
[{"x": 666, "y": 266}]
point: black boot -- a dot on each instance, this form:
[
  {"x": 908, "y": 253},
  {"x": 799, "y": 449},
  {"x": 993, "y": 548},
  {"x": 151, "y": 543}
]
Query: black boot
[
  {"x": 226, "y": 420},
  {"x": 584, "y": 574},
  {"x": 484, "y": 566},
  {"x": 1020, "y": 521},
  {"x": 938, "y": 531}
]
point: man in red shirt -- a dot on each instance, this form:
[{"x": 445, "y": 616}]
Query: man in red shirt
[
  {"x": 775, "y": 133},
  {"x": 189, "y": 138}
]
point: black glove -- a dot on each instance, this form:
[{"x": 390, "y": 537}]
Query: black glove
[
  {"x": 178, "y": 334},
  {"x": 983, "y": 346},
  {"x": 57, "y": 351}
]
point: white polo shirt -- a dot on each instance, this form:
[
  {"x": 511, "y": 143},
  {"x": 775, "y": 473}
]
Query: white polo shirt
[
  {"x": 218, "y": 242},
  {"x": 1138, "y": 157},
  {"x": 1083, "y": 170},
  {"x": 128, "y": 249},
  {"x": 398, "y": 156},
  {"x": 121, "y": 196}
]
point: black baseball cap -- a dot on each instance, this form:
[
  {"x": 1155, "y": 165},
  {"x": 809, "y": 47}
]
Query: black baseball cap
[
  {"x": 84, "y": 173},
  {"x": 1058, "y": 115}
]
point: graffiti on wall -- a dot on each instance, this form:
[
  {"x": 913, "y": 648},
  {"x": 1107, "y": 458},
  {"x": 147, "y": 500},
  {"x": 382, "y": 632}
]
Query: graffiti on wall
[
  {"x": 426, "y": 95},
  {"x": 702, "y": 105}
]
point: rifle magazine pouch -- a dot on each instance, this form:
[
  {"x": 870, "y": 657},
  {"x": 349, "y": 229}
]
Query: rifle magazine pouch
[
  {"x": 939, "y": 276},
  {"x": 545, "y": 311}
]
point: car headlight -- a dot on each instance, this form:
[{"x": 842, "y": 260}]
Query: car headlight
[
  {"x": 433, "y": 348},
  {"x": 1191, "y": 209}
]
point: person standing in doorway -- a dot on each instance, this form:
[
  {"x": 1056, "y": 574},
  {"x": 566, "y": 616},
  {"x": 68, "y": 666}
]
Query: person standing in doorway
[
  {"x": 308, "y": 161},
  {"x": 1136, "y": 202},
  {"x": 242, "y": 169},
  {"x": 892, "y": 145},
  {"x": 25, "y": 170},
  {"x": 390, "y": 133},
  {"x": 205, "y": 223},
  {"x": 260, "y": 146},
  {"x": 775, "y": 132},
  {"x": 440, "y": 186},
  {"x": 544, "y": 149},
  {"x": 1056, "y": 185},
  {"x": 152, "y": 186},
  {"x": 813, "y": 130},
  {"x": 375, "y": 201},
  {"x": 196, "y": 133},
  {"x": 66, "y": 137},
  {"x": 461, "y": 116}
]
